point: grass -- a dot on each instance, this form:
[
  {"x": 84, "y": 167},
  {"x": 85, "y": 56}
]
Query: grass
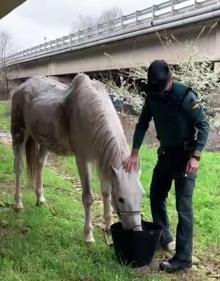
[
  {"x": 4, "y": 116},
  {"x": 47, "y": 243}
]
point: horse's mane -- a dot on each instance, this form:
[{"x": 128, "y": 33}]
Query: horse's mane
[{"x": 106, "y": 135}]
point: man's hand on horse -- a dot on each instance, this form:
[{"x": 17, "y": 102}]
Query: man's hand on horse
[{"x": 132, "y": 162}]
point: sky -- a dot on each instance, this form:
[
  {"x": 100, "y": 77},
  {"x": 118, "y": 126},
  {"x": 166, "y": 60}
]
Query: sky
[{"x": 36, "y": 20}]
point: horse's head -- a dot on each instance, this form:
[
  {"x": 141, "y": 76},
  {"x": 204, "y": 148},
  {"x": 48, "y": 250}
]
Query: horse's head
[{"x": 127, "y": 194}]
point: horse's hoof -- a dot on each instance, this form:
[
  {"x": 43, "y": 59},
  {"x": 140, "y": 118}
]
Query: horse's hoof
[
  {"x": 108, "y": 238},
  {"x": 90, "y": 239},
  {"x": 40, "y": 203},
  {"x": 108, "y": 231},
  {"x": 19, "y": 208}
]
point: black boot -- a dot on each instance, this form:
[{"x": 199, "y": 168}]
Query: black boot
[{"x": 174, "y": 264}]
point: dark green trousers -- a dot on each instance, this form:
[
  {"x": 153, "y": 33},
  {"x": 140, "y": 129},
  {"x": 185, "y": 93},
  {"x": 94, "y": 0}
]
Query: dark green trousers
[{"x": 171, "y": 167}]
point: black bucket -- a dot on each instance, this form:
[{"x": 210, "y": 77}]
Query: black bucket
[{"x": 136, "y": 248}]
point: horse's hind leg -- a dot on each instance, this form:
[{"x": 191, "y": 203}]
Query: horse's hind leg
[
  {"x": 40, "y": 161},
  {"x": 18, "y": 150},
  {"x": 106, "y": 195},
  {"x": 84, "y": 172}
]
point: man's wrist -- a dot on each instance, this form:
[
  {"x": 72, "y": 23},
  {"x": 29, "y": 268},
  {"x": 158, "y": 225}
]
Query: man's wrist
[
  {"x": 196, "y": 155},
  {"x": 134, "y": 152}
]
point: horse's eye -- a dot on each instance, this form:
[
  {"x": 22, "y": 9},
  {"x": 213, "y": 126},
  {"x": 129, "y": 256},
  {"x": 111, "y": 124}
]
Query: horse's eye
[{"x": 121, "y": 200}]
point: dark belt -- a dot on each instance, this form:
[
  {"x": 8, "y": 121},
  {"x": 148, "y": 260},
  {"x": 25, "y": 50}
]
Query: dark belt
[{"x": 187, "y": 146}]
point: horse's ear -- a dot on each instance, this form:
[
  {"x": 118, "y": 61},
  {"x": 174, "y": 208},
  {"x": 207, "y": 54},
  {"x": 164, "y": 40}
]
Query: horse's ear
[{"x": 114, "y": 171}]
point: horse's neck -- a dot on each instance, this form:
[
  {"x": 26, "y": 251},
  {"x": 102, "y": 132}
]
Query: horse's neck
[
  {"x": 114, "y": 155},
  {"x": 123, "y": 152}
]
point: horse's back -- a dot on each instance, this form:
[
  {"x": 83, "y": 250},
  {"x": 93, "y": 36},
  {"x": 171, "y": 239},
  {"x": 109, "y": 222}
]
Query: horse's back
[
  {"x": 38, "y": 107},
  {"x": 36, "y": 85},
  {"x": 24, "y": 94}
]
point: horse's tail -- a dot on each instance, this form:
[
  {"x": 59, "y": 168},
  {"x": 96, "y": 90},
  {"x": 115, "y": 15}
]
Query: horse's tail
[{"x": 31, "y": 156}]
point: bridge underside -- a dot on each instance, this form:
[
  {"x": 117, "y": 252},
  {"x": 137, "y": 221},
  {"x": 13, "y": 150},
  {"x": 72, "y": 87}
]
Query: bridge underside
[
  {"x": 129, "y": 53},
  {"x": 9, "y": 5}
]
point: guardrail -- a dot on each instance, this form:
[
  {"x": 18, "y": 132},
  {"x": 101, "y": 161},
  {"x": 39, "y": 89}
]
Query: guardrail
[{"x": 145, "y": 18}]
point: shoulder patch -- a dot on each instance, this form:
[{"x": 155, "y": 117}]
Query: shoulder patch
[{"x": 195, "y": 106}]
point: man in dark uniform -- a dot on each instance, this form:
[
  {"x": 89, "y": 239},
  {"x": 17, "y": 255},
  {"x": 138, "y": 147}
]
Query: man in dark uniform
[{"x": 182, "y": 130}]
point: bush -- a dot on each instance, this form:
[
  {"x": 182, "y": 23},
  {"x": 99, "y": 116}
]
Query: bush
[{"x": 196, "y": 72}]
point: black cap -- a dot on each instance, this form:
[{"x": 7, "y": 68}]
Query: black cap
[{"x": 158, "y": 75}]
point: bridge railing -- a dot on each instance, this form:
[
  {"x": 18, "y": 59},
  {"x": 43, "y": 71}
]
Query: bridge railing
[{"x": 139, "y": 19}]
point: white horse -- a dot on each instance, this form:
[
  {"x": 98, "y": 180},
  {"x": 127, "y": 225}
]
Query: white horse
[{"x": 80, "y": 120}]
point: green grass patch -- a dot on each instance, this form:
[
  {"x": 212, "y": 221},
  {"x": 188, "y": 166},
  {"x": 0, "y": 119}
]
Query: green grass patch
[
  {"x": 47, "y": 243},
  {"x": 5, "y": 115}
]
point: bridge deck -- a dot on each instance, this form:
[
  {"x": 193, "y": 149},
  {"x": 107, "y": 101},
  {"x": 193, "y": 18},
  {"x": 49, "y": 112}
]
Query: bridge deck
[{"x": 169, "y": 13}]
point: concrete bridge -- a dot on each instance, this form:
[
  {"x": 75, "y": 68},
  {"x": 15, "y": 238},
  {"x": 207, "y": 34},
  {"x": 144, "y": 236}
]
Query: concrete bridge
[
  {"x": 129, "y": 41},
  {"x": 9, "y": 5}
]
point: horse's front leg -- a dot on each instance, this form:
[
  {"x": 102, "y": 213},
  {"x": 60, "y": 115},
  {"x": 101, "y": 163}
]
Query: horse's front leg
[
  {"x": 85, "y": 177},
  {"x": 106, "y": 195}
]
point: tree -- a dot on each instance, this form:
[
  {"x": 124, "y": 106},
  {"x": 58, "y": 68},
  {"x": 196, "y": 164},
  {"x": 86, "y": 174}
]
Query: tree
[
  {"x": 84, "y": 22},
  {"x": 5, "y": 47},
  {"x": 196, "y": 71},
  {"x": 109, "y": 15}
]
